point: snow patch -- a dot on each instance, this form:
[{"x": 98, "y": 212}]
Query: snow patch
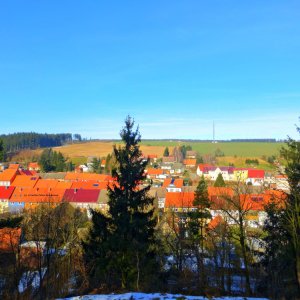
[{"x": 155, "y": 296}]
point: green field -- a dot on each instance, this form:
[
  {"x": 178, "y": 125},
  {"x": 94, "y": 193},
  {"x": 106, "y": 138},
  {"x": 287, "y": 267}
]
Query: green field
[{"x": 240, "y": 149}]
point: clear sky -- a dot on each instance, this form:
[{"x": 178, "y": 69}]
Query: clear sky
[{"x": 175, "y": 66}]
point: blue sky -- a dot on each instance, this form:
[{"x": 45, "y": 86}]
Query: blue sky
[{"x": 175, "y": 66}]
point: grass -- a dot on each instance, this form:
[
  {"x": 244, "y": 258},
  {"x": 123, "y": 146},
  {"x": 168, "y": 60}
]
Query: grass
[
  {"x": 242, "y": 149},
  {"x": 78, "y": 160},
  {"x": 239, "y": 162}
]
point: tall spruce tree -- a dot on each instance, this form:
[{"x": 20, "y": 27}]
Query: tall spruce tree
[
  {"x": 123, "y": 243},
  {"x": 2, "y": 152},
  {"x": 292, "y": 212},
  {"x": 166, "y": 152}
]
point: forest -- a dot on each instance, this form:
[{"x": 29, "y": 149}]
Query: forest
[{"x": 31, "y": 140}]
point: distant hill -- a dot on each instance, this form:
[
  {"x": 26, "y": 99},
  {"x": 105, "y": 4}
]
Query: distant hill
[{"x": 31, "y": 140}]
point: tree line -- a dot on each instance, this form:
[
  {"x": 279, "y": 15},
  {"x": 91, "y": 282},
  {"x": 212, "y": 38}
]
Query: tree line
[
  {"x": 31, "y": 140},
  {"x": 53, "y": 161}
]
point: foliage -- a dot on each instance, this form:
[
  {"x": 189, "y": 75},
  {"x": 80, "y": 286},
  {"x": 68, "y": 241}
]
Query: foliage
[
  {"x": 11, "y": 222},
  {"x": 31, "y": 140},
  {"x": 184, "y": 149},
  {"x": 166, "y": 152},
  {"x": 52, "y": 161},
  {"x": 219, "y": 181},
  {"x": 235, "y": 210},
  {"x": 291, "y": 154},
  {"x": 277, "y": 258},
  {"x": 249, "y": 161},
  {"x": 2, "y": 151},
  {"x": 70, "y": 166},
  {"x": 53, "y": 235},
  {"x": 96, "y": 165},
  {"x": 271, "y": 159},
  {"x": 77, "y": 137},
  {"x": 199, "y": 158},
  {"x": 119, "y": 249},
  {"x": 219, "y": 153},
  {"x": 110, "y": 163}
]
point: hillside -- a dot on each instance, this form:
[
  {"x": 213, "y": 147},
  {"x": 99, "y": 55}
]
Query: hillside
[{"x": 235, "y": 152}]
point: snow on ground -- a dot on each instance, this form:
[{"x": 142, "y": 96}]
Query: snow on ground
[{"x": 156, "y": 296}]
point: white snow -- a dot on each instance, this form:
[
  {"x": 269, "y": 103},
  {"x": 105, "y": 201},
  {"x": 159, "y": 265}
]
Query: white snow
[
  {"x": 30, "y": 278},
  {"x": 155, "y": 296}
]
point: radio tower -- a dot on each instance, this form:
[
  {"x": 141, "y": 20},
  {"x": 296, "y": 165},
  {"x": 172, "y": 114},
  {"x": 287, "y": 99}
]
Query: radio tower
[{"x": 214, "y": 140}]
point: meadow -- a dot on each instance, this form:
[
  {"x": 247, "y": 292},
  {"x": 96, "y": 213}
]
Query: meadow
[{"x": 238, "y": 149}]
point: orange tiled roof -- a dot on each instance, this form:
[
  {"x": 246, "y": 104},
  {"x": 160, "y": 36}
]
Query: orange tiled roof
[
  {"x": 37, "y": 195},
  {"x": 8, "y": 175},
  {"x": 203, "y": 166},
  {"x": 63, "y": 185},
  {"x": 213, "y": 224},
  {"x": 14, "y": 166},
  {"x": 18, "y": 194},
  {"x": 91, "y": 184},
  {"x": 177, "y": 182},
  {"x": 190, "y": 162},
  {"x": 179, "y": 200},
  {"x": 86, "y": 176},
  {"x": 9, "y": 239},
  {"x": 46, "y": 183},
  {"x": 25, "y": 181},
  {"x": 220, "y": 191},
  {"x": 152, "y": 171}
]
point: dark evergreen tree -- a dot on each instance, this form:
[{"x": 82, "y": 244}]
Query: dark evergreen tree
[
  {"x": 220, "y": 181},
  {"x": 2, "y": 152},
  {"x": 292, "y": 211},
  {"x": 277, "y": 258},
  {"x": 166, "y": 152},
  {"x": 199, "y": 158},
  {"x": 45, "y": 161},
  {"x": 52, "y": 161},
  {"x": 128, "y": 231},
  {"x": 197, "y": 226}
]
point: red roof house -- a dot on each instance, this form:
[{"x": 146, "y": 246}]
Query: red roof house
[{"x": 82, "y": 198}]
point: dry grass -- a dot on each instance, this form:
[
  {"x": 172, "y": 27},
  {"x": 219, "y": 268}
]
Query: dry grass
[{"x": 98, "y": 149}]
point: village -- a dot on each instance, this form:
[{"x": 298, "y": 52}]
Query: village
[{"x": 24, "y": 189}]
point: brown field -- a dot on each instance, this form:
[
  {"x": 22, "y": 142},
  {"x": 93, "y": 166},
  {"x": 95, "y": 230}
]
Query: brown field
[
  {"x": 101, "y": 149},
  {"x": 98, "y": 149}
]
